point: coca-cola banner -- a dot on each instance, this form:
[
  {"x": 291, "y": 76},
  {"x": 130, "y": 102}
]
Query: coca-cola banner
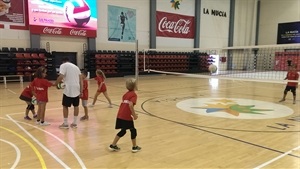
[
  {"x": 175, "y": 25},
  {"x": 62, "y": 31},
  {"x": 12, "y": 12},
  {"x": 63, "y": 17}
]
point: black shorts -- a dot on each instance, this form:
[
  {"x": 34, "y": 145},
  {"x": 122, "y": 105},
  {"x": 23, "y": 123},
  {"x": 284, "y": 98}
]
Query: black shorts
[
  {"x": 68, "y": 101},
  {"x": 289, "y": 62},
  {"x": 290, "y": 88},
  {"x": 26, "y": 99},
  {"x": 124, "y": 124}
]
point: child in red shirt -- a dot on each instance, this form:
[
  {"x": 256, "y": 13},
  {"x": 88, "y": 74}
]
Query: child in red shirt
[
  {"x": 100, "y": 77},
  {"x": 27, "y": 95},
  {"x": 41, "y": 85},
  {"x": 125, "y": 117},
  {"x": 291, "y": 86},
  {"x": 85, "y": 95}
]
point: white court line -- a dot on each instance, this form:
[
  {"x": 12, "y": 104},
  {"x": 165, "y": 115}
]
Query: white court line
[
  {"x": 276, "y": 158},
  {"x": 62, "y": 142},
  {"x": 46, "y": 110},
  {"x": 18, "y": 153},
  {"x": 11, "y": 91},
  {"x": 39, "y": 143}
]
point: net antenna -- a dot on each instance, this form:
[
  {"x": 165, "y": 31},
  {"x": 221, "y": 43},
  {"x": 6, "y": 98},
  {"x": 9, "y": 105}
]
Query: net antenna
[
  {"x": 136, "y": 62},
  {"x": 264, "y": 63}
]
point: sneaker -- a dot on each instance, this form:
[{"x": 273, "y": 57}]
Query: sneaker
[
  {"x": 73, "y": 125},
  {"x": 84, "y": 118},
  {"x": 294, "y": 102},
  {"x": 35, "y": 116},
  {"x": 110, "y": 106},
  {"x": 63, "y": 126},
  {"x": 136, "y": 149},
  {"x": 282, "y": 100},
  {"x": 37, "y": 122},
  {"x": 113, "y": 148},
  {"x": 27, "y": 118},
  {"x": 44, "y": 123},
  {"x": 91, "y": 105}
]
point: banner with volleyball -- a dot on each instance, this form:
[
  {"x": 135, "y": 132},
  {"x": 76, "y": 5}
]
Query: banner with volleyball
[
  {"x": 64, "y": 17},
  {"x": 121, "y": 24}
]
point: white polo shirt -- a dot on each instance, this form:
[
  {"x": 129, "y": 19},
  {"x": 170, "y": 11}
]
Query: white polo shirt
[{"x": 71, "y": 79}]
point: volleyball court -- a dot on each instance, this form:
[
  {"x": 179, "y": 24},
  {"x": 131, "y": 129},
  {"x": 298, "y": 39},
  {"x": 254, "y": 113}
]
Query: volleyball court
[{"x": 268, "y": 63}]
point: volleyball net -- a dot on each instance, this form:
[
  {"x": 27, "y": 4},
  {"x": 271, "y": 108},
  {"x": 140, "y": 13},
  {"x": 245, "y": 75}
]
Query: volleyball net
[{"x": 267, "y": 63}]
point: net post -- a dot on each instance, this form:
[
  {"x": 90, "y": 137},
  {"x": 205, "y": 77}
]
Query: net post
[
  {"x": 136, "y": 62},
  {"x": 144, "y": 59}
]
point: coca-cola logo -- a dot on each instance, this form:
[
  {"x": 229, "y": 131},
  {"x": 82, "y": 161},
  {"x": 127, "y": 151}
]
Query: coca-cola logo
[
  {"x": 55, "y": 31},
  {"x": 80, "y": 32},
  {"x": 181, "y": 26}
]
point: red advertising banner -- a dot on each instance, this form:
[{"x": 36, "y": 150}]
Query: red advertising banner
[
  {"x": 12, "y": 13},
  {"x": 62, "y": 31},
  {"x": 175, "y": 25},
  {"x": 63, "y": 17}
]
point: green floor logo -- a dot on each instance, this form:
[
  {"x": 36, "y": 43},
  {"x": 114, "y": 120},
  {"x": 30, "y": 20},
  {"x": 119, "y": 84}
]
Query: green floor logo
[{"x": 234, "y": 108}]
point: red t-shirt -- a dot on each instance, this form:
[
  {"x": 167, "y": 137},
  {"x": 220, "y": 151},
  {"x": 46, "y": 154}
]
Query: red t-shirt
[
  {"x": 124, "y": 110},
  {"x": 85, "y": 91},
  {"x": 100, "y": 80},
  {"x": 292, "y": 76},
  {"x": 41, "y": 89},
  {"x": 27, "y": 92}
]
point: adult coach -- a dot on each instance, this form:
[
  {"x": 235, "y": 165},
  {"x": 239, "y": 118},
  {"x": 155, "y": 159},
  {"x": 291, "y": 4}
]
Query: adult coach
[{"x": 71, "y": 76}]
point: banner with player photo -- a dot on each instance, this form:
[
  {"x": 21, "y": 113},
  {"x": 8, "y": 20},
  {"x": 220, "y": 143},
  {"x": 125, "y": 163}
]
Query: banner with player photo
[
  {"x": 121, "y": 24},
  {"x": 12, "y": 12}
]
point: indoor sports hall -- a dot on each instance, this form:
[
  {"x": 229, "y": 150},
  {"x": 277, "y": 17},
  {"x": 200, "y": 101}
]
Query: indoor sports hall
[
  {"x": 174, "y": 128},
  {"x": 217, "y": 83}
]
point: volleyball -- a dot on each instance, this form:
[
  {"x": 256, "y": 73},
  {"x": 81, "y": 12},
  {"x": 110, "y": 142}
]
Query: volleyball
[
  {"x": 77, "y": 12},
  {"x": 60, "y": 85},
  {"x": 33, "y": 101},
  {"x": 212, "y": 68}
]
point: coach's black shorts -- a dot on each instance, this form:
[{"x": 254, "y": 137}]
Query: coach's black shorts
[
  {"x": 290, "y": 88},
  {"x": 68, "y": 101}
]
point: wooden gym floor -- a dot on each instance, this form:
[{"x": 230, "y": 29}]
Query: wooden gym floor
[{"x": 183, "y": 123}]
